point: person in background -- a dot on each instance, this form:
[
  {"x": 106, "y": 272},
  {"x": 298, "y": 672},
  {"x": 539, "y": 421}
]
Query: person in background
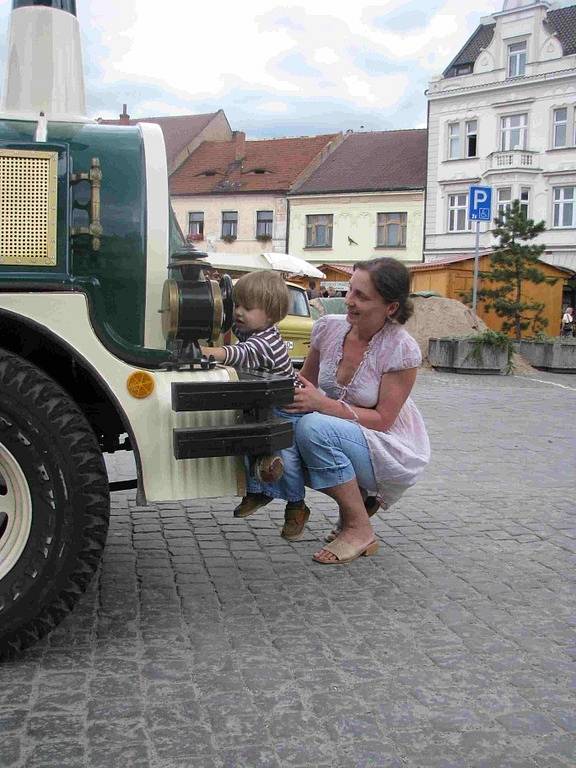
[
  {"x": 567, "y": 325},
  {"x": 312, "y": 291},
  {"x": 261, "y": 300}
]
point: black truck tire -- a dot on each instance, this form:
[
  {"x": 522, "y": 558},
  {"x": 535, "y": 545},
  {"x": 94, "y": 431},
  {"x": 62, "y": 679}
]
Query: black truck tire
[{"x": 54, "y": 504}]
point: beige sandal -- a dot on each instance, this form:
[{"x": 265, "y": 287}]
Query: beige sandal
[
  {"x": 372, "y": 506},
  {"x": 345, "y": 552}
]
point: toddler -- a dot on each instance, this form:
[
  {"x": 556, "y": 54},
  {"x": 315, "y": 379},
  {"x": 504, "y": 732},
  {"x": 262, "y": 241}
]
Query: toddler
[{"x": 261, "y": 299}]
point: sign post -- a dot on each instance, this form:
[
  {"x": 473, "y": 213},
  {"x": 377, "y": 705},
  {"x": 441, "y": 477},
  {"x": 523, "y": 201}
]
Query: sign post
[{"x": 479, "y": 209}]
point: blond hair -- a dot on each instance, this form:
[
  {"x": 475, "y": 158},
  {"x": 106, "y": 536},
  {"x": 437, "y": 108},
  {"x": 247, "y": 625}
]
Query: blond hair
[{"x": 264, "y": 290}]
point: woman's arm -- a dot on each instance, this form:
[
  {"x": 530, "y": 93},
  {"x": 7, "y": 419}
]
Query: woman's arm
[
  {"x": 311, "y": 366},
  {"x": 395, "y": 387}
]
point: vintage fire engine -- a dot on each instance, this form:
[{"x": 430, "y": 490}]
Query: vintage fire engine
[{"x": 102, "y": 306}]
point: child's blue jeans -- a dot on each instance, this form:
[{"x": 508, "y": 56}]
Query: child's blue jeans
[{"x": 291, "y": 485}]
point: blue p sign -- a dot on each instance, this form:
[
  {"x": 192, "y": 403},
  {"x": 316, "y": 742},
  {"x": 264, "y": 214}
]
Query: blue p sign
[{"x": 480, "y": 204}]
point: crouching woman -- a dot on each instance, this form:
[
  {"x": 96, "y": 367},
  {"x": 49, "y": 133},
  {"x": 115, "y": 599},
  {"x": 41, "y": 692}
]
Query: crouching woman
[{"x": 361, "y": 435}]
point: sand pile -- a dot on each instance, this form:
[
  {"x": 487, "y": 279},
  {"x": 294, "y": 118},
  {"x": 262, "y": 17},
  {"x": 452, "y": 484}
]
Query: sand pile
[{"x": 436, "y": 317}]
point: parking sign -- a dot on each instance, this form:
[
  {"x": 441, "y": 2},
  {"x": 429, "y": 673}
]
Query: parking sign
[{"x": 480, "y": 204}]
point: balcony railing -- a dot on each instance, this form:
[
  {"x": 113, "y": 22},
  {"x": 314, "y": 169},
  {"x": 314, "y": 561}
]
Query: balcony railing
[{"x": 514, "y": 158}]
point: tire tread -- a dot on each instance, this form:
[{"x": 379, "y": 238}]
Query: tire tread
[{"x": 68, "y": 421}]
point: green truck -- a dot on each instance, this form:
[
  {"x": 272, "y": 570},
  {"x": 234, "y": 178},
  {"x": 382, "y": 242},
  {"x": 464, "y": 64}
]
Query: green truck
[{"x": 102, "y": 306}]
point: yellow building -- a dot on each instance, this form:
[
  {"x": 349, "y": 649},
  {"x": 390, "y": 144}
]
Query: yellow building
[{"x": 364, "y": 201}]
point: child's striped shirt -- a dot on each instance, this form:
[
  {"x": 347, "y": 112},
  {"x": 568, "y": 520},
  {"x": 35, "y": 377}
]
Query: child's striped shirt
[{"x": 262, "y": 350}]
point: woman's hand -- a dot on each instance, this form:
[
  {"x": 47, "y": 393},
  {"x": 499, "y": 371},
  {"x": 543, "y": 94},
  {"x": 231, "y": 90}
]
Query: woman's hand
[{"x": 307, "y": 398}]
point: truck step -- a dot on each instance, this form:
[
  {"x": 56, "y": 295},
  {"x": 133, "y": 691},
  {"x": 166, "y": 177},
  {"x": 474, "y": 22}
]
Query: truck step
[
  {"x": 253, "y": 390},
  {"x": 257, "y": 438}
]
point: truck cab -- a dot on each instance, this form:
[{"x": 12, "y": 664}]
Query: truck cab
[{"x": 99, "y": 343}]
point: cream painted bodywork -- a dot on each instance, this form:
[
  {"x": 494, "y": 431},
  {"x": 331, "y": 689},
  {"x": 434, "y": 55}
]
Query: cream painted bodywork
[
  {"x": 157, "y": 231},
  {"x": 44, "y": 66},
  {"x": 152, "y": 420},
  {"x": 355, "y": 217}
]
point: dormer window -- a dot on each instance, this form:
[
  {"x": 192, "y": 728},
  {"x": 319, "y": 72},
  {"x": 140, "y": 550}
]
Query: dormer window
[
  {"x": 209, "y": 172},
  {"x": 258, "y": 171},
  {"x": 463, "y": 69},
  {"x": 517, "y": 59}
]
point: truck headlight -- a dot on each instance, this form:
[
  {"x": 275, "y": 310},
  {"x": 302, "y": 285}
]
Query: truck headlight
[{"x": 196, "y": 309}]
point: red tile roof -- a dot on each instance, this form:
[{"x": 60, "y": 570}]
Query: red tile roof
[
  {"x": 428, "y": 266},
  {"x": 342, "y": 267},
  {"x": 440, "y": 263},
  {"x": 178, "y": 130},
  {"x": 371, "y": 162},
  {"x": 281, "y": 160}
]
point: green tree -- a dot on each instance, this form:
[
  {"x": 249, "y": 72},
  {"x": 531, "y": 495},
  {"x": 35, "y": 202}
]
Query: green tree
[{"x": 514, "y": 262}]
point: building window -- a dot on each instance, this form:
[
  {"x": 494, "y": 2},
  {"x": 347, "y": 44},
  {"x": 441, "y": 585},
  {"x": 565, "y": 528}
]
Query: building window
[
  {"x": 457, "y": 213},
  {"x": 264, "y": 223},
  {"x": 196, "y": 224},
  {"x": 560, "y": 127},
  {"x": 454, "y": 141},
  {"x": 471, "y": 138},
  {"x": 469, "y": 129},
  {"x": 463, "y": 69},
  {"x": 564, "y": 199},
  {"x": 319, "y": 231},
  {"x": 517, "y": 59},
  {"x": 504, "y": 198},
  {"x": 391, "y": 230},
  {"x": 525, "y": 201},
  {"x": 230, "y": 224},
  {"x": 513, "y": 130}
]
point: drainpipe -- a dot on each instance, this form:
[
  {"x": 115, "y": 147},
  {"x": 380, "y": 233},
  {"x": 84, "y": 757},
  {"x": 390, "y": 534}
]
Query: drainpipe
[
  {"x": 287, "y": 224},
  {"x": 426, "y": 179}
]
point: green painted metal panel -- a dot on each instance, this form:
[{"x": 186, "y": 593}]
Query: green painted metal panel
[{"x": 118, "y": 269}]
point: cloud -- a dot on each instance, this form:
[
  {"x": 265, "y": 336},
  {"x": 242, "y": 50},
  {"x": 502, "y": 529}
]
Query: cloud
[
  {"x": 276, "y": 107},
  {"x": 308, "y": 67},
  {"x": 325, "y": 56}
]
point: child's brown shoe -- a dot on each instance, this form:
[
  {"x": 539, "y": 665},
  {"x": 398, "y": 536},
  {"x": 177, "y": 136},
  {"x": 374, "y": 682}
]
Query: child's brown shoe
[
  {"x": 250, "y": 503},
  {"x": 296, "y": 516},
  {"x": 269, "y": 469}
]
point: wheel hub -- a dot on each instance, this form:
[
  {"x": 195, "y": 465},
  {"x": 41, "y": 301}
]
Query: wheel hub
[{"x": 15, "y": 511}]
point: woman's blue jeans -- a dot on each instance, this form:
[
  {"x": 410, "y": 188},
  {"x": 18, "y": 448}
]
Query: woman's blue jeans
[{"x": 327, "y": 452}]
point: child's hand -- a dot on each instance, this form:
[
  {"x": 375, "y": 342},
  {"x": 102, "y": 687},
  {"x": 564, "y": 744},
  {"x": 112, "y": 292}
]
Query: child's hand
[{"x": 216, "y": 352}]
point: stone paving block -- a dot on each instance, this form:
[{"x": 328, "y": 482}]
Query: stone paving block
[
  {"x": 209, "y": 641},
  {"x": 10, "y": 750},
  {"x": 56, "y": 754}
]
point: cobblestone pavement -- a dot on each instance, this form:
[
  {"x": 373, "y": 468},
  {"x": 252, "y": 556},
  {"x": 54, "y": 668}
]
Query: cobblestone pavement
[{"x": 210, "y": 642}]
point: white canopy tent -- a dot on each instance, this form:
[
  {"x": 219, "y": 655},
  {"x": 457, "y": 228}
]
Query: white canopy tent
[{"x": 248, "y": 262}]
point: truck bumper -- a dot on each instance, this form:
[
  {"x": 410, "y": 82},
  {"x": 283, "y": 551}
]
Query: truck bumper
[{"x": 258, "y": 430}]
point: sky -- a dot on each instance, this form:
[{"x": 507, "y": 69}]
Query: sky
[{"x": 287, "y": 69}]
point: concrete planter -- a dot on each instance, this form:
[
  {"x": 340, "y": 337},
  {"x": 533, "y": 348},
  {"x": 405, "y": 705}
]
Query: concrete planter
[
  {"x": 460, "y": 356},
  {"x": 555, "y": 356}
]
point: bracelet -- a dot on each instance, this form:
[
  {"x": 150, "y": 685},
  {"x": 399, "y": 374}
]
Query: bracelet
[{"x": 349, "y": 408}]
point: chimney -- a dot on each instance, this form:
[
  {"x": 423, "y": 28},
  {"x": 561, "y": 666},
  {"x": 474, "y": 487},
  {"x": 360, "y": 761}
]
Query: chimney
[
  {"x": 44, "y": 62},
  {"x": 239, "y": 145},
  {"x": 124, "y": 116}
]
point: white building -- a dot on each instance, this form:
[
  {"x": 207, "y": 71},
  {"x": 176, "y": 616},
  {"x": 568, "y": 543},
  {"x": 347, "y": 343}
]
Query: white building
[{"x": 503, "y": 114}]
